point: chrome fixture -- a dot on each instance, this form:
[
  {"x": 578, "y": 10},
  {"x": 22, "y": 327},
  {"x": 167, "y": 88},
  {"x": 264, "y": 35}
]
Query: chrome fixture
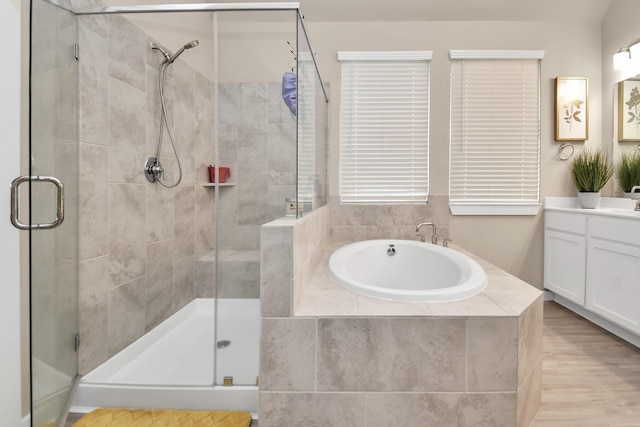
[
  {"x": 15, "y": 202},
  {"x": 434, "y": 234},
  {"x": 635, "y": 194},
  {"x": 446, "y": 241},
  {"x": 391, "y": 251},
  {"x": 626, "y": 57},
  {"x": 153, "y": 169}
]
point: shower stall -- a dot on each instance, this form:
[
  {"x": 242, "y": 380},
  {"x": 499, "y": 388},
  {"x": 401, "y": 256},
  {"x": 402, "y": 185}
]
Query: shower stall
[{"x": 148, "y": 295}]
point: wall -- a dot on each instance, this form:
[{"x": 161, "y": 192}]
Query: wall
[
  {"x": 10, "y": 32},
  {"x": 619, "y": 29},
  {"x": 512, "y": 243},
  {"x": 138, "y": 241}
]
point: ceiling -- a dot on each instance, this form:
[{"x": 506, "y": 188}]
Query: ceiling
[
  {"x": 590, "y": 11},
  {"x": 455, "y": 10}
]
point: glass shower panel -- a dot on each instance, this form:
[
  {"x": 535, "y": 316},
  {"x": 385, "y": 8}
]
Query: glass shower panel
[
  {"x": 311, "y": 129},
  {"x": 256, "y": 140},
  {"x": 53, "y": 252}
]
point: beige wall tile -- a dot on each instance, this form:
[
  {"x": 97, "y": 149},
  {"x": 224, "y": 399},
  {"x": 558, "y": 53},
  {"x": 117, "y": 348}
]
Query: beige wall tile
[
  {"x": 127, "y": 133},
  {"x": 282, "y": 152},
  {"x": 204, "y": 241},
  {"x": 127, "y": 51},
  {"x": 126, "y": 311},
  {"x": 240, "y": 275},
  {"x": 93, "y": 72},
  {"x": 127, "y": 232},
  {"x": 252, "y": 195},
  {"x": 160, "y": 212},
  {"x": 276, "y": 271},
  {"x": 312, "y": 409},
  {"x": 96, "y": 23},
  {"x": 441, "y": 409},
  {"x": 154, "y": 109},
  {"x": 93, "y": 313},
  {"x": 183, "y": 282},
  {"x": 159, "y": 283},
  {"x": 184, "y": 221},
  {"x": 492, "y": 354},
  {"x": 530, "y": 340},
  {"x": 391, "y": 354},
  {"x": 204, "y": 207},
  {"x": 93, "y": 215},
  {"x": 184, "y": 118},
  {"x": 529, "y": 396},
  {"x": 288, "y": 355},
  {"x": 205, "y": 276}
]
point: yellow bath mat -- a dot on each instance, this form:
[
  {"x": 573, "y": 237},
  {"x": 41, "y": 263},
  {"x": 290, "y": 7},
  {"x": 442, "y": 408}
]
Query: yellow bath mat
[{"x": 108, "y": 417}]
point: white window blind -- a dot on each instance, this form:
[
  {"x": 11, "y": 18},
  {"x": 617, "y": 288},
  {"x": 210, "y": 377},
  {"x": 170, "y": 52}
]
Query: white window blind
[
  {"x": 495, "y": 133},
  {"x": 384, "y": 127}
]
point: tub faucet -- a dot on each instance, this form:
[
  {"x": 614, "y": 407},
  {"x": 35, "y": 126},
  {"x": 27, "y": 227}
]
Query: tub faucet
[
  {"x": 434, "y": 235},
  {"x": 635, "y": 194}
]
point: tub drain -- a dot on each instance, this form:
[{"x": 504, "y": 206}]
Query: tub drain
[{"x": 223, "y": 343}]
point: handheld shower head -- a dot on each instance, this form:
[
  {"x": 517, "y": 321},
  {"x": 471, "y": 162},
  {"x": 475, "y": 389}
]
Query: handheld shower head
[{"x": 189, "y": 45}]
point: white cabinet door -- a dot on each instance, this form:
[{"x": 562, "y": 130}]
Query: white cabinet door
[
  {"x": 613, "y": 282},
  {"x": 565, "y": 265}
]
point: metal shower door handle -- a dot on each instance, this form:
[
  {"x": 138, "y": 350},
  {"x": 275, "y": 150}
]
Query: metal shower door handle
[{"x": 15, "y": 203}]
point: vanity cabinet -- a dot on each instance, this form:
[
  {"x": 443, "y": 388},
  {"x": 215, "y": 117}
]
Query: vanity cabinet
[
  {"x": 592, "y": 260},
  {"x": 613, "y": 271},
  {"x": 565, "y": 261}
]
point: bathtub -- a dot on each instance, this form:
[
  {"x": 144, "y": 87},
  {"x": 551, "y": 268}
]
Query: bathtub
[
  {"x": 173, "y": 366},
  {"x": 406, "y": 270}
]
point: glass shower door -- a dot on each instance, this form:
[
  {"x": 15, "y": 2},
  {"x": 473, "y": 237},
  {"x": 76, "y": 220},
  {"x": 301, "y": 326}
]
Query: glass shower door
[{"x": 53, "y": 249}]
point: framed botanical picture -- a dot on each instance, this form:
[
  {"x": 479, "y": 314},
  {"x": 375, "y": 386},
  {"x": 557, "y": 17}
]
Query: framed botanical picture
[
  {"x": 629, "y": 110},
  {"x": 571, "y": 109}
]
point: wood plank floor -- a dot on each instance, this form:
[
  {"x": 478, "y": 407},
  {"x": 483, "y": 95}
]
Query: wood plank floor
[{"x": 590, "y": 377}]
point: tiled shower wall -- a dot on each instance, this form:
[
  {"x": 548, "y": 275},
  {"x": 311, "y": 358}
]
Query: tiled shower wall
[
  {"x": 138, "y": 241},
  {"x": 258, "y": 141}
]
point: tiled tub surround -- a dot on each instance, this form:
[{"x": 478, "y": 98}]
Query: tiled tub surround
[
  {"x": 342, "y": 359},
  {"x": 364, "y": 222},
  {"x": 138, "y": 241}
]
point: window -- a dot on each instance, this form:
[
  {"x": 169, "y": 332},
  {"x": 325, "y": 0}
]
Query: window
[
  {"x": 494, "y": 158},
  {"x": 384, "y": 127}
]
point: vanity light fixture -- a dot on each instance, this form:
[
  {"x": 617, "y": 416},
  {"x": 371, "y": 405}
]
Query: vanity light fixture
[
  {"x": 621, "y": 59},
  {"x": 627, "y": 57},
  {"x": 634, "y": 52}
]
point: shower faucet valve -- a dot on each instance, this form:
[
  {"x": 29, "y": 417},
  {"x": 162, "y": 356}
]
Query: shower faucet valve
[{"x": 153, "y": 170}]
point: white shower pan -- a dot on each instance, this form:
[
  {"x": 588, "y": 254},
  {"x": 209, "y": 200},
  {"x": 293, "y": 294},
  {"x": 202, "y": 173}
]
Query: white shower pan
[{"x": 172, "y": 366}]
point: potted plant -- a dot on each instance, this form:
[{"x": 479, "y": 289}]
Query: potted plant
[
  {"x": 629, "y": 172},
  {"x": 590, "y": 171}
]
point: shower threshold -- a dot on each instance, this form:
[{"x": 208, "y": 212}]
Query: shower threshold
[{"x": 172, "y": 366}]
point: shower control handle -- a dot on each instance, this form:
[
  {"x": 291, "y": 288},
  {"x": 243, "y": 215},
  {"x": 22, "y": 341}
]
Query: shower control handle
[{"x": 153, "y": 170}]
